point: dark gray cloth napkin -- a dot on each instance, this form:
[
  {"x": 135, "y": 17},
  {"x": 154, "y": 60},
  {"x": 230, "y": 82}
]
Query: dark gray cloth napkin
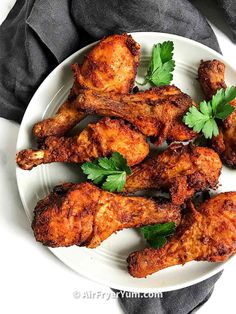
[
  {"x": 38, "y": 34},
  {"x": 182, "y": 301}
]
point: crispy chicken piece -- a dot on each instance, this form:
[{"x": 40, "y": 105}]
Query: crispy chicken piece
[
  {"x": 180, "y": 169},
  {"x": 157, "y": 112},
  {"x": 110, "y": 66},
  {"x": 211, "y": 77},
  {"x": 64, "y": 120},
  {"x": 84, "y": 215},
  {"x": 96, "y": 140},
  {"x": 205, "y": 234}
]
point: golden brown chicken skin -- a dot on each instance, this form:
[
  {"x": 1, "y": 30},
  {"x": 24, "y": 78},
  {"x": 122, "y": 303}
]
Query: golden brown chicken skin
[
  {"x": 157, "y": 112},
  {"x": 180, "y": 169},
  {"x": 205, "y": 234},
  {"x": 110, "y": 66},
  {"x": 84, "y": 215},
  {"x": 211, "y": 77},
  {"x": 64, "y": 120},
  {"x": 96, "y": 140}
]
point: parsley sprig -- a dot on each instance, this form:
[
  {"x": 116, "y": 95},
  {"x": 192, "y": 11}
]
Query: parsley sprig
[
  {"x": 156, "y": 235},
  {"x": 110, "y": 173},
  {"x": 205, "y": 119},
  {"x": 161, "y": 65}
]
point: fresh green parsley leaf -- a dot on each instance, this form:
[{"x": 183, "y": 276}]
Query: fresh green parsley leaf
[
  {"x": 110, "y": 173},
  {"x": 115, "y": 182},
  {"x": 157, "y": 242},
  {"x": 205, "y": 119},
  {"x": 120, "y": 162},
  {"x": 156, "y": 234},
  {"x": 161, "y": 65}
]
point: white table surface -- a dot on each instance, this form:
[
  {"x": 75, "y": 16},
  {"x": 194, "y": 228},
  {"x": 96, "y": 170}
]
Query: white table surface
[{"x": 32, "y": 280}]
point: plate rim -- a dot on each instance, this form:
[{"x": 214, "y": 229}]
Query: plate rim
[{"x": 60, "y": 255}]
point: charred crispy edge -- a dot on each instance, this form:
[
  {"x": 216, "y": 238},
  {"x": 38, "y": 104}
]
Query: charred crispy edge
[
  {"x": 24, "y": 161},
  {"x": 75, "y": 67},
  {"x": 119, "y": 123},
  {"x": 224, "y": 149},
  {"x": 230, "y": 162},
  {"x": 64, "y": 188},
  {"x": 165, "y": 87},
  {"x": 159, "y": 89},
  {"x": 134, "y": 48},
  {"x": 132, "y": 45}
]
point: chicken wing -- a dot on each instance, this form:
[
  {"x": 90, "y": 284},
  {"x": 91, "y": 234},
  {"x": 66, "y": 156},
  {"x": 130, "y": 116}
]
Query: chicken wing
[
  {"x": 157, "y": 112},
  {"x": 96, "y": 140},
  {"x": 211, "y": 77},
  {"x": 205, "y": 234},
  {"x": 110, "y": 66},
  {"x": 180, "y": 169},
  {"x": 84, "y": 215}
]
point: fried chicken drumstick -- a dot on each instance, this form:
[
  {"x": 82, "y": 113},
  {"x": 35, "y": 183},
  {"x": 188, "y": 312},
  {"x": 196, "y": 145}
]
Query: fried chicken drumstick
[
  {"x": 96, "y": 140},
  {"x": 84, "y": 215},
  {"x": 110, "y": 66},
  {"x": 205, "y": 234},
  {"x": 63, "y": 121},
  {"x": 211, "y": 77},
  {"x": 157, "y": 112},
  {"x": 180, "y": 169}
]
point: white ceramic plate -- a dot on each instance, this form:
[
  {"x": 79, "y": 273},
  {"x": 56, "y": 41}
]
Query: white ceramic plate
[{"x": 107, "y": 263}]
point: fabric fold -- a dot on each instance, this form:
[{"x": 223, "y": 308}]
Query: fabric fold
[
  {"x": 229, "y": 10},
  {"x": 180, "y": 17},
  {"x": 183, "y": 301},
  {"x": 52, "y": 23}
]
